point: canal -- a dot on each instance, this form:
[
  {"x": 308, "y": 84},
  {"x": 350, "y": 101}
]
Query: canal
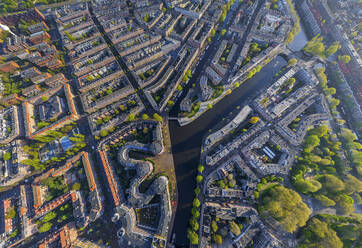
[
  {"x": 186, "y": 142},
  {"x": 299, "y": 40}
]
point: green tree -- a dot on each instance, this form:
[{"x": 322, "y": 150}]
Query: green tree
[
  {"x": 330, "y": 91},
  {"x": 193, "y": 237},
  {"x": 14, "y": 233},
  {"x": 199, "y": 178},
  {"x": 49, "y": 216},
  {"x": 196, "y": 203},
  {"x": 145, "y": 117},
  {"x": 234, "y": 228},
  {"x": 103, "y": 133},
  {"x": 7, "y": 156},
  {"x": 131, "y": 117},
  {"x": 223, "y": 32},
  {"x": 221, "y": 184},
  {"x": 344, "y": 58},
  {"x": 157, "y": 117},
  {"x": 195, "y": 212},
  {"x": 10, "y": 214},
  {"x": 311, "y": 141},
  {"x": 292, "y": 61},
  {"x": 348, "y": 135},
  {"x": 200, "y": 168},
  {"x": 333, "y": 102},
  {"x": 348, "y": 232},
  {"x": 194, "y": 224},
  {"x": 146, "y": 18},
  {"x": 185, "y": 78},
  {"x": 45, "y": 227},
  {"x": 331, "y": 183},
  {"x": 352, "y": 185},
  {"x": 217, "y": 239},
  {"x": 197, "y": 191},
  {"x": 285, "y": 206},
  {"x": 320, "y": 131},
  {"x": 345, "y": 204},
  {"x": 214, "y": 226},
  {"x": 319, "y": 234},
  {"x": 357, "y": 158},
  {"x": 76, "y": 186},
  {"x": 232, "y": 183},
  {"x": 332, "y": 49},
  {"x": 254, "y": 120},
  {"x": 306, "y": 186},
  {"x": 325, "y": 201},
  {"x": 315, "y": 46},
  {"x": 170, "y": 103}
]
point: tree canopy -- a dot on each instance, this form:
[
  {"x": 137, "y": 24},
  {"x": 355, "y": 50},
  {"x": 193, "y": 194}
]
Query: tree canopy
[
  {"x": 344, "y": 58},
  {"x": 45, "y": 227},
  {"x": 193, "y": 237},
  {"x": 286, "y": 206},
  {"x": 292, "y": 61},
  {"x": 254, "y": 120},
  {"x": 157, "y": 117},
  {"x": 196, "y": 203},
  {"x": 319, "y": 234},
  {"x": 7, "y": 156},
  {"x": 331, "y": 183}
]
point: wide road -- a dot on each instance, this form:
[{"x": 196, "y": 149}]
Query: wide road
[{"x": 186, "y": 142}]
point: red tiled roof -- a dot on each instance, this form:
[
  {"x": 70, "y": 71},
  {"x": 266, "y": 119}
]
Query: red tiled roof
[{"x": 110, "y": 178}]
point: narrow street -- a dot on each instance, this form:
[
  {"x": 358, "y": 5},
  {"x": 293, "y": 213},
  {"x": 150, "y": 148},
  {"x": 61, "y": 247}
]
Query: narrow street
[{"x": 131, "y": 78}]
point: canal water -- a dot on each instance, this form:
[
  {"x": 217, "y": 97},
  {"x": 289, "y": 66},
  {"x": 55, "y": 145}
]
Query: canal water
[
  {"x": 186, "y": 142},
  {"x": 299, "y": 40}
]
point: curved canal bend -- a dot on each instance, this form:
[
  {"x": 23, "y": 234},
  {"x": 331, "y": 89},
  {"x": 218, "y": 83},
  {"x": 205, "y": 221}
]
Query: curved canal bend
[{"x": 186, "y": 142}]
